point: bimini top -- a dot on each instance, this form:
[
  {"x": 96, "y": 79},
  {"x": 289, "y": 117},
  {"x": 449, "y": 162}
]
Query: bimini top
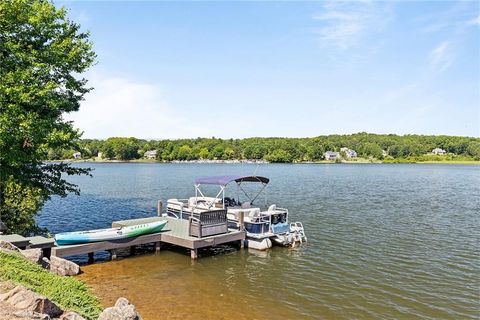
[{"x": 224, "y": 180}]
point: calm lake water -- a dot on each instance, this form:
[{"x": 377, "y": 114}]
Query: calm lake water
[{"x": 385, "y": 242}]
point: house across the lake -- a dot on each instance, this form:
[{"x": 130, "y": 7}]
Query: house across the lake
[
  {"x": 439, "y": 151},
  {"x": 349, "y": 153},
  {"x": 77, "y": 155},
  {"x": 331, "y": 155},
  {"x": 150, "y": 154}
]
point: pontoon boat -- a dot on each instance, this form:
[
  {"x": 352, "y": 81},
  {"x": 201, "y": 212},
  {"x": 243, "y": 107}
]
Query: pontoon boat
[{"x": 262, "y": 224}]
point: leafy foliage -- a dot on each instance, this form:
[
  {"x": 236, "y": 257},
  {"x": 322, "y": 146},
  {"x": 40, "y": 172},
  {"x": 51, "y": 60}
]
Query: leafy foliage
[
  {"x": 23, "y": 203},
  {"x": 282, "y": 149},
  {"x": 67, "y": 292},
  {"x": 42, "y": 54}
]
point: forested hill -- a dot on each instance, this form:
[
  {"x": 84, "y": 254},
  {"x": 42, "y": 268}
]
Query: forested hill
[{"x": 367, "y": 145}]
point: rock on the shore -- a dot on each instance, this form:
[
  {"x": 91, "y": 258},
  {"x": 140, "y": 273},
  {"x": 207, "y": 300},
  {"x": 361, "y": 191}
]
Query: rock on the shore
[
  {"x": 63, "y": 267},
  {"x": 71, "y": 316},
  {"x": 31, "y": 315},
  {"x": 22, "y": 299},
  {"x": 35, "y": 255},
  {"x": 8, "y": 247},
  {"x": 123, "y": 310}
]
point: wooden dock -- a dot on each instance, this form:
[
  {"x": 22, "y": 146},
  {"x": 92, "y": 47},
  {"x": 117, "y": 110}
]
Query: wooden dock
[
  {"x": 30, "y": 242},
  {"x": 176, "y": 232}
]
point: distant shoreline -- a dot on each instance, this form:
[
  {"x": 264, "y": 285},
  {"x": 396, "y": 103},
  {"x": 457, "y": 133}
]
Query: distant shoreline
[{"x": 361, "y": 161}]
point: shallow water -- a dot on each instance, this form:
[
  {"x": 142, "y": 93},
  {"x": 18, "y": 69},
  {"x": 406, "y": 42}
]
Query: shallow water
[{"x": 385, "y": 241}]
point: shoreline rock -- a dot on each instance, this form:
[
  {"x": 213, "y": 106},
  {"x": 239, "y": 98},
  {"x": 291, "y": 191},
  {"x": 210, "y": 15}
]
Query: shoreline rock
[
  {"x": 60, "y": 266},
  {"x": 25, "y": 300},
  {"x": 24, "y": 304},
  {"x": 123, "y": 310},
  {"x": 63, "y": 267},
  {"x": 8, "y": 247},
  {"x": 34, "y": 255}
]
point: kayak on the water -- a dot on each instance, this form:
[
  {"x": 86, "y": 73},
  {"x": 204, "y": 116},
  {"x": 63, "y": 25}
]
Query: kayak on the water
[{"x": 87, "y": 236}]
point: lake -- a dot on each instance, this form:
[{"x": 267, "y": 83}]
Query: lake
[{"x": 387, "y": 241}]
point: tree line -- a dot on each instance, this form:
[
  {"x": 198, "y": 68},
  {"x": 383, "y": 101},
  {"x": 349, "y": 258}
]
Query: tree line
[
  {"x": 43, "y": 55},
  {"x": 285, "y": 150}
]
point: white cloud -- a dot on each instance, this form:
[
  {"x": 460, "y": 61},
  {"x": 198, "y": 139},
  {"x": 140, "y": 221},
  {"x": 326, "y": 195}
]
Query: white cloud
[
  {"x": 120, "y": 106},
  {"x": 441, "y": 57},
  {"x": 456, "y": 19},
  {"x": 345, "y": 23}
]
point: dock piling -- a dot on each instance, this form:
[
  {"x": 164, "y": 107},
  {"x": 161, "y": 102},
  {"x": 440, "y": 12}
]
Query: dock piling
[
  {"x": 159, "y": 208},
  {"x": 241, "y": 215},
  {"x": 194, "y": 254},
  {"x": 157, "y": 247},
  {"x": 90, "y": 257}
]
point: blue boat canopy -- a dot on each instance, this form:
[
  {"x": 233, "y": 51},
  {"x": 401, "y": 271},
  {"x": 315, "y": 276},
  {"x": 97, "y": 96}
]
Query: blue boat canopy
[{"x": 224, "y": 180}]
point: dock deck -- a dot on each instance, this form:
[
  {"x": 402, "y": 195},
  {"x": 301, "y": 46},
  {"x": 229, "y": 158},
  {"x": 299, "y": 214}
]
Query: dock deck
[
  {"x": 37, "y": 242},
  {"x": 15, "y": 239},
  {"x": 175, "y": 232}
]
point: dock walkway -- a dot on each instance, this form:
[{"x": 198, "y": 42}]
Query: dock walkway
[
  {"x": 30, "y": 242},
  {"x": 175, "y": 232}
]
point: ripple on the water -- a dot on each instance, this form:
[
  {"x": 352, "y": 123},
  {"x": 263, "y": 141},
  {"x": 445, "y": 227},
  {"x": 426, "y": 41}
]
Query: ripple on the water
[{"x": 385, "y": 242}]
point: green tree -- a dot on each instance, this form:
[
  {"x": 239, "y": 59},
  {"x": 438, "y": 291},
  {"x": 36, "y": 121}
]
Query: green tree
[
  {"x": 473, "y": 149},
  {"x": 370, "y": 149},
  {"x": 42, "y": 55},
  {"x": 297, "y": 149},
  {"x": 254, "y": 150},
  {"x": 228, "y": 154},
  {"x": 279, "y": 155},
  {"x": 184, "y": 152},
  {"x": 204, "y": 154},
  {"x": 122, "y": 148},
  {"x": 217, "y": 152},
  {"x": 314, "y": 152}
]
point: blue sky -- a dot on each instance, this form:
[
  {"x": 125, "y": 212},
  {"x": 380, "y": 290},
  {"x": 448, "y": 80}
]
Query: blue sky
[{"x": 289, "y": 69}]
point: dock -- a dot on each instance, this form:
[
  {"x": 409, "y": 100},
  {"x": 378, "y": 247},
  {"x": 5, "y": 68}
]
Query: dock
[
  {"x": 176, "y": 232},
  {"x": 37, "y": 242}
]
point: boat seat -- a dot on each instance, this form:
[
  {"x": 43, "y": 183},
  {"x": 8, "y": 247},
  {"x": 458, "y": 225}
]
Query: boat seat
[
  {"x": 205, "y": 202},
  {"x": 253, "y": 214},
  {"x": 246, "y": 205}
]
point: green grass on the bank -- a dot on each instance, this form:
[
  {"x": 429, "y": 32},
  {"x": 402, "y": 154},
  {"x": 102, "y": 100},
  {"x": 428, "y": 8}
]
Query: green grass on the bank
[
  {"x": 434, "y": 159},
  {"x": 69, "y": 293}
]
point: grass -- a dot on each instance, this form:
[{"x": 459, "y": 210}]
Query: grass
[
  {"x": 434, "y": 159},
  {"x": 67, "y": 292}
]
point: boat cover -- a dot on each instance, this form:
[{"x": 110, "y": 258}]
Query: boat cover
[{"x": 224, "y": 180}]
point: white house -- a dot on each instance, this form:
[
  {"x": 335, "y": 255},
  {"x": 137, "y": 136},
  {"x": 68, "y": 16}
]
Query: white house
[
  {"x": 439, "y": 151},
  {"x": 77, "y": 155},
  {"x": 331, "y": 155},
  {"x": 150, "y": 154},
  {"x": 349, "y": 153}
]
